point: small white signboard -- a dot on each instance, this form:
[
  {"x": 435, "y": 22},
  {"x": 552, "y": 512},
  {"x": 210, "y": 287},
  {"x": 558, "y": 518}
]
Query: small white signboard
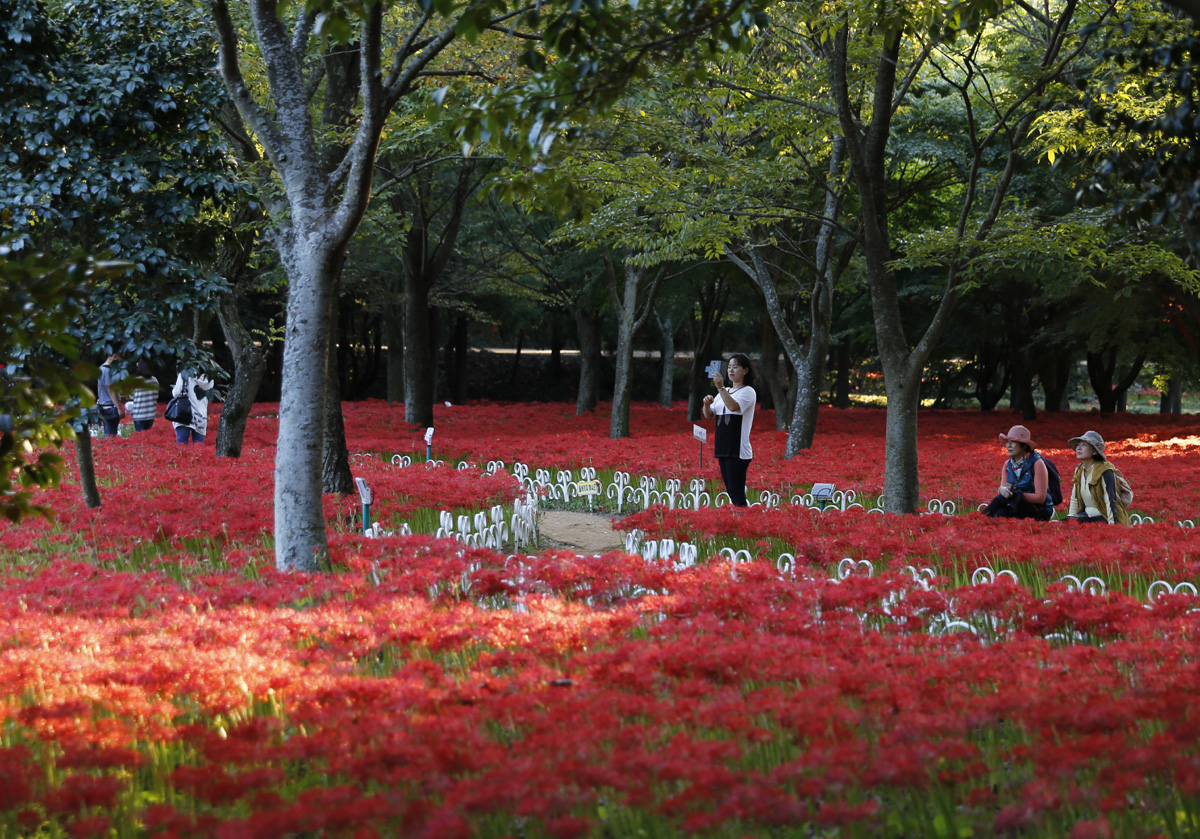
[
  {"x": 700, "y": 433},
  {"x": 587, "y": 487},
  {"x": 364, "y": 491},
  {"x": 429, "y": 436},
  {"x": 822, "y": 492}
]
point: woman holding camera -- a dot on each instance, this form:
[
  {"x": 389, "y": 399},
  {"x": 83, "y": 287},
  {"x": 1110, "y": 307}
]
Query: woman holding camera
[
  {"x": 1024, "y": 481},
  {"x": 733, "y": 407}
]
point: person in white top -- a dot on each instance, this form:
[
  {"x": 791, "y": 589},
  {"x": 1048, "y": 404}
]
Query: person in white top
[
  {"x": 197, "y": 390},
  {"x": 733, "y": 408}
]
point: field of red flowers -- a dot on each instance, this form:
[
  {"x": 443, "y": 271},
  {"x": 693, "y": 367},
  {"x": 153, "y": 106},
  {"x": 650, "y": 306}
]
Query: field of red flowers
[{"x": 160, "y": 679}]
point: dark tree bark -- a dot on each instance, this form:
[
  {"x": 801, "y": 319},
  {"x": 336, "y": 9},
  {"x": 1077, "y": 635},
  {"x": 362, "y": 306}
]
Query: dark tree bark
[
  {"x": 249, "y": 359},
  {"x": 87, "y": 468},
  {"x": 1171, "y": 400},
  {"x": 990, "y": 363},
  {"x": 1054, "y": 371},
  {"x": 1102, "y": 371},
  {"x": 867, "y": 151},
  {"x": 394, "y": 329},
  {"x": 427, "y": 251},
  {"x": 249, "y": 365},
  {"x": 841, "y": 393},
  {"x": 335, "y": 456},
  {"x": 712, "y": 298},
  {"x": 456, "y": 361},
  {"x": 515, "y": 370},
  {"x": 587, "y": 324},
  {"x": 774, "y": 390},
  {"x": 557, "y": 341}
]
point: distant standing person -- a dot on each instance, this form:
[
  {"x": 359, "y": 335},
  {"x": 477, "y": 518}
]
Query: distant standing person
[
  {"x": 1094, "y": 495},
  {"x": 1024, "y": 481},
  {"x": 144, "y": 399},
  {"x": 198, "y": 427},
  {"x": 106, "y": 402},
  {"x": 733, "y": 407}
]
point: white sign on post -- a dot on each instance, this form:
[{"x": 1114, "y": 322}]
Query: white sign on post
[
  {"x": 700, "y": 433},
  {"x": 587, "y": 487},
  {"x": 429, "y": 436},
  {"x": 364, "y": 491},
  {"x": 822, "y": 492}
]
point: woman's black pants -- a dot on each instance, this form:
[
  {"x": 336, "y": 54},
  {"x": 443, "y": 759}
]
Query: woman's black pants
[
  {"x": 733, "y": 473},
  {"x": 1011, "y": 508}
]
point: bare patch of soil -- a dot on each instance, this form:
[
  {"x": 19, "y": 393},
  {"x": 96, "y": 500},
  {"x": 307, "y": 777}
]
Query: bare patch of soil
[{"x": 589, "y": 533}]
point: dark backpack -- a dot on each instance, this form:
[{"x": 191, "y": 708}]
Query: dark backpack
[{"x": 1054, "y": 483}]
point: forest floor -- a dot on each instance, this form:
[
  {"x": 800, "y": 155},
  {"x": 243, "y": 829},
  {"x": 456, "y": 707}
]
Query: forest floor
[{"x": 590, "y": 533}]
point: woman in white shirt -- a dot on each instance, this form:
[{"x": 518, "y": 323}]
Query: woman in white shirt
[
  {"x": 197, "y": 391},
  {"x": 1094, "y": 495},
  {"x": 733, "y": 408}
]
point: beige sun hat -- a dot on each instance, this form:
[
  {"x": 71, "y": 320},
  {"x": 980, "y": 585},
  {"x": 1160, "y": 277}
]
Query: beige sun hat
[{"x": 1092, "y": 438}]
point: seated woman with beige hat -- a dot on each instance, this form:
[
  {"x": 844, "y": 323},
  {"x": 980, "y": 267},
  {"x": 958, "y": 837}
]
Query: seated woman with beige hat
[{"x": 1096, "y": 494}]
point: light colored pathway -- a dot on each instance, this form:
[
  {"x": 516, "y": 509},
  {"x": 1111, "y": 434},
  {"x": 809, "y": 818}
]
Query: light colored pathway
[{"x": 581, "y": 532}]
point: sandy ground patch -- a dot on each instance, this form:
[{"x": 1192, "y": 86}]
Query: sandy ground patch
[{"x": 590, "y": 533}]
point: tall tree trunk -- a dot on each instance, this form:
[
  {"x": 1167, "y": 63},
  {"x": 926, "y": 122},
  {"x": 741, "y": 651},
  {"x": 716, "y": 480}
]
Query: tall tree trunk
[
  {"x": 459, "y": 369},
  {"x": 557, "y": 340},
  {"x": 776, "y": 389},
  {"x": 990, "y": 362},
  {"x": 867, "y": 148},
  {"x": 1171, "y": 400},
  {"x": 712, "y": 300},
  {"x": 249, "y": 359},
  {"x": 808, "y": 360},
  {"x": 841, "y": 398},
  {"x": 630, "y": 319},
  {"x": 87, "y": 468},
  {"x": 666, "y": 382},
  {"x": 587, "y": 324},
  {"x": 1055, "y": 374},
  {"x": 393, "y": 324},
  {"x": 515, "y": 371},
  {"x": 335, "y": 455},
  {"x": 249, "y": 365},
  {"x": 1102, "y": 371},
  {"x": 301, "y": 543},
  {"x": 420, "y": 363}
]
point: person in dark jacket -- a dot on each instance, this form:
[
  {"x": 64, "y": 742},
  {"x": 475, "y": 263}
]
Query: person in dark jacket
[{"x": 1024, "y": 481}]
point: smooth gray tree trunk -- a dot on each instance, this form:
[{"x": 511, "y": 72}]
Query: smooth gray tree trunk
[
  {"x": 808, "y": 361},
  {"x": 630, "y": 319},
  {"x": 666, "y": 384},
  {"x": 712, "y": 299}
]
